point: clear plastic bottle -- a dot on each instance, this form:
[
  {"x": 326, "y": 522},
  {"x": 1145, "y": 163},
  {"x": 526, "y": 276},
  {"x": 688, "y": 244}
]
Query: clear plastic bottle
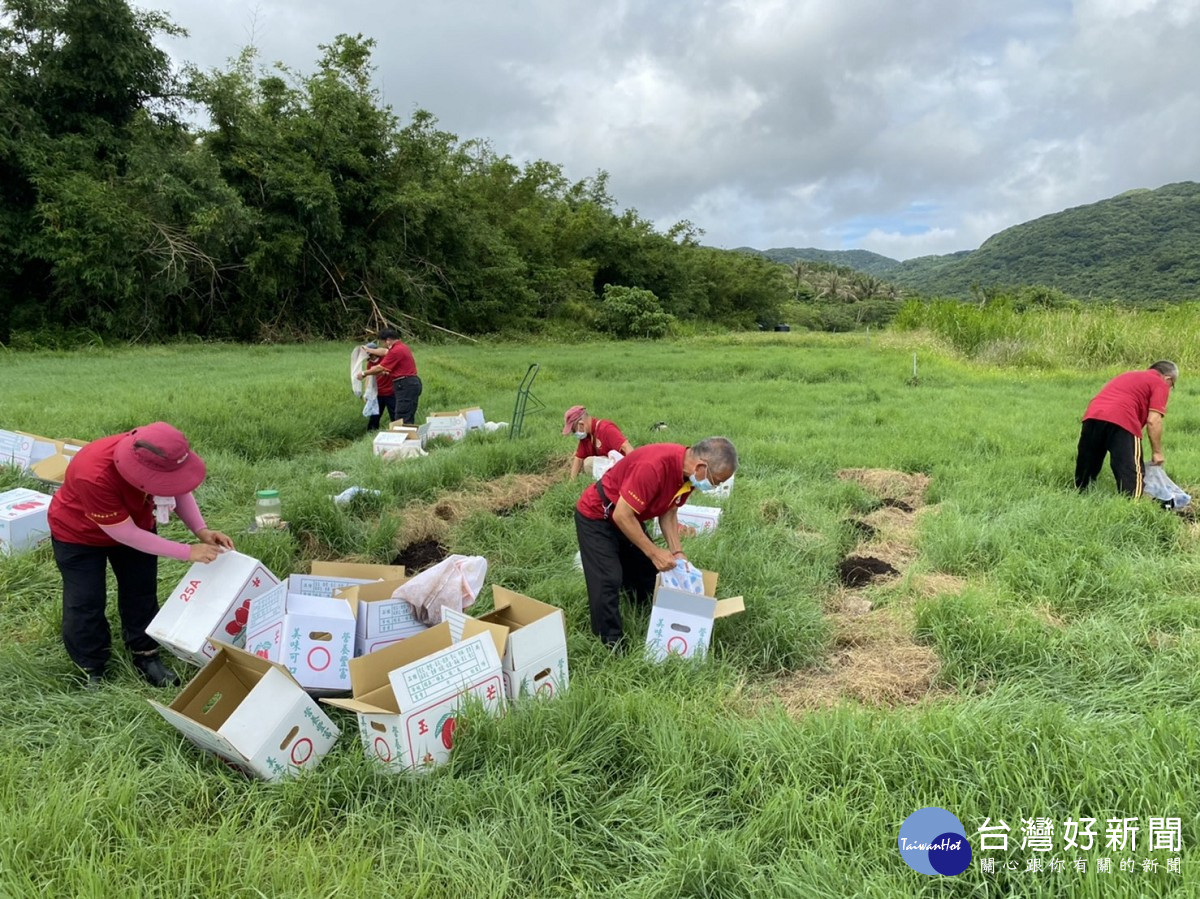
[{"x": 267, "y": 509}]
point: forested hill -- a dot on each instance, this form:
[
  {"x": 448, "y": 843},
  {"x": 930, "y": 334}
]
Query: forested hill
[
  {"x": 1140, "y": 245},
  {"x": 859, "y": 260}
]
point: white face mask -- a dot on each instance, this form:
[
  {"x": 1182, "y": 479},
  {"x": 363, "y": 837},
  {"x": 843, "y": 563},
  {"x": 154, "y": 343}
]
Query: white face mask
[
  {"x": 163, "y": 507},
  {"x": 580, "y": 435}
]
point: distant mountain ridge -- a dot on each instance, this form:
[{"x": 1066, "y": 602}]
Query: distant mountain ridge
[{"x": 1140, "y": 245}]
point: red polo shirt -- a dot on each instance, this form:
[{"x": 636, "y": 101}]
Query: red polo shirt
[
  {"x": 1128, "y": 399},
  {"x": 399, "y": 361},
  {"x": 650, "y": 479},
  {"x": 605, "y": 437},
  {"x": 94, "y": 494}
]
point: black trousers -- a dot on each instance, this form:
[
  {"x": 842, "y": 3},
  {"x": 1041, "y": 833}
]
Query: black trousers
[
  {"x": 1124, "y": 450},
  {"x": 385, "y": 402},
  {"x": 408, "y": 393},
  {"x": 611, "y": 563},
  {"x": 85, "y": 628}
]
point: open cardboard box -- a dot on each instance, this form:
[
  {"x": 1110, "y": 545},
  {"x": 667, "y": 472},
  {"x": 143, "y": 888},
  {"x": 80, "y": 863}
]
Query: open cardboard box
[
  {"x": 408, "y": 695},
  {"x": 211, "y": 602},
  {"x": 46, "y": 458},
  {"x": 681, "y": 623},
  {"x": 329, "y": 577},
  {"x": 252, "y": 713},
  {"x": 312, "y": 636},
  {"x": 382, "y": 620},
  {"x": 534, "y": 656}
]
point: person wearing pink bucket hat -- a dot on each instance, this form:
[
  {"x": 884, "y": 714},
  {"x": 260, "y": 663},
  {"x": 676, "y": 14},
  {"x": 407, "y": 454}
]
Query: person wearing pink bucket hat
[
  {"x": 115, "y": 491},
  {"x": 597, "y": 438}
]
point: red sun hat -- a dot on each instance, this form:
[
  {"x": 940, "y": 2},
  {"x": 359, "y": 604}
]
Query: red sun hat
[
  {"x": 157, "y": 459},
  {"x": 571, "y": 418}
]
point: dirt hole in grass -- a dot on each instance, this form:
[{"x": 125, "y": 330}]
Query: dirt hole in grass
[
  {"x": 898, "y": 504},
  {"x": 420, "y": 555},
  {"x": 858, "y": 571},
  {"x": 865, "y": 530}
]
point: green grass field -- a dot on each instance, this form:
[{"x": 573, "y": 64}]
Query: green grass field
[{"x": 1064, "y": 636}]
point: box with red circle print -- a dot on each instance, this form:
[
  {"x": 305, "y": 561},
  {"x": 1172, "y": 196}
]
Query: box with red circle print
[
  {"x": 252, "y": 713},
  {"x": 408, "y": 696},
  {"x": 211, "y": 602},
  {"x": 23, "y": 520},
  {"x": 311, "y": 636},
  {"x": 681, "y": 623}
]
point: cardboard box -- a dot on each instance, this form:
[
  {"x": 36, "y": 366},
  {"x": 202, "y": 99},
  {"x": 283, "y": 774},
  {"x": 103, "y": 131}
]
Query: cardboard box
[
  {"x": 366, "y": 571},
  {"x": 253, "y": 714},
  {"x": 382, "y": 620},
  {"x": 211, "y": 602},
  {"x": 311, "y": 636},
  {"x": 23, "y": 523},
  {"x": 399, "y": 427},
  {"x": 694, "y": 521},
  {"x": 474, "y": 418},
  {"x": 681, "y": 623},
  {"x": 408, "y": 696},
  {"x": 443, "y": 424},
  {"x": 15, "y": 448},
  {"x": 534, "y": 661}
]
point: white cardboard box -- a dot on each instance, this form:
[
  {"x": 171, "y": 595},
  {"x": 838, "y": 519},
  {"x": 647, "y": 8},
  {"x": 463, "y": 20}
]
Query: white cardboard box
[
  {"x": 211, "y": 602},
  {"x": 701, "y": 520},
  {"x": 408, "y": 695},
  {"x": 253, "y": 714},
  {"x": 382, "y": 620},
  {"x": 15, "y": 448},
  {"x": 535, "y": 652},
  {"x": 23, "y": 523},
  {"x": 474, "y": 418},
  {"x": 681, "y": 623},
  {"x": 443, "y": 424},
  {"x": 311, "y": 636}
]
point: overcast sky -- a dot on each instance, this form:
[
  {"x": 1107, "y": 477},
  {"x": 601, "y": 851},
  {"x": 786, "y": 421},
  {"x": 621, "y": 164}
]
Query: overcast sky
[{"x": 906, "y": 127}]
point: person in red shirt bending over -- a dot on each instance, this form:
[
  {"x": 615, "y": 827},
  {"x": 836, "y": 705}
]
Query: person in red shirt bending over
[
  {"x": 596, "y": 436},
  {"x": 1113, "y": 425},
  {"x": 396, "y": 382},
  {"x": 615, "y": 550},
  {"x": 115, "y": 491}
]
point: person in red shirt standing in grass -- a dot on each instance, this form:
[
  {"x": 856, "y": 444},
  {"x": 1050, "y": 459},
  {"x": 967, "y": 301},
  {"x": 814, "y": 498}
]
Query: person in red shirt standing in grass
[
  {"x": 116, "y": 489},
  {"x": 596, "y": 436},
  {"x": 1113, "y": 425},
  {"x": 615, "y": 550},
  {"x": 396, "y": 381}
]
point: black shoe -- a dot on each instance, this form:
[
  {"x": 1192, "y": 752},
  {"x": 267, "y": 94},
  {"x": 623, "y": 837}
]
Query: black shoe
[
  {"x": 95, "y": 678},
  {"x": 154, "y": 671}
]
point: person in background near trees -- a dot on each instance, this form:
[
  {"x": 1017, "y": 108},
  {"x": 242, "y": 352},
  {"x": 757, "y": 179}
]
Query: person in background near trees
[
  {"x": 1113, "y": 425},
  {"x": 396, "y": 379},
  {"x": 115, "y": 490},
  {"x": 596, "y": 436},
  {"x": 614, "y": 548}
]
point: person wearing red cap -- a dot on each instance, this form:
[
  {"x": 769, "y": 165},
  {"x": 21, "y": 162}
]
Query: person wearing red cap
[
  {"x": 610, "y": 522},
  {"x": 116, "y": 489},
  {"x": 596, "y": 436}
]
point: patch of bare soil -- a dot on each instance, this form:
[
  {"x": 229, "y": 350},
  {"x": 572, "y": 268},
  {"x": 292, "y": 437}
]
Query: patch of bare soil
[
  {"x": 874, "y": 658},
  {"x": 420, "y": 555}
]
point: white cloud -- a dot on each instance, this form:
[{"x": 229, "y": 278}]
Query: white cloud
[{"x": 788, "y": 122}]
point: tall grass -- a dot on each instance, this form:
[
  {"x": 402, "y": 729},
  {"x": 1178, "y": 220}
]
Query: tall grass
[{"x": 1069, "y": 652}]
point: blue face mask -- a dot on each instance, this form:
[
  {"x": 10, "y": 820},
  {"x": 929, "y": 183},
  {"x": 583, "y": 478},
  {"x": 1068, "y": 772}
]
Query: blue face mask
[
  {"x": 579, "y": 435},
  {"x": 704, "y": 485}
]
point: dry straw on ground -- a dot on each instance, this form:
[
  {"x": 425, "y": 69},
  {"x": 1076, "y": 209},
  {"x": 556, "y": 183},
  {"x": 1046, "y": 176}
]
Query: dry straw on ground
[{"x": 874, "y": 658}]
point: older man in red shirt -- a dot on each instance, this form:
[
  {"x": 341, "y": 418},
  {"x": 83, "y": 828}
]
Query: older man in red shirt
[
  {"x": 615, "y": 550},
  {"x": 1113, "y": 423}
]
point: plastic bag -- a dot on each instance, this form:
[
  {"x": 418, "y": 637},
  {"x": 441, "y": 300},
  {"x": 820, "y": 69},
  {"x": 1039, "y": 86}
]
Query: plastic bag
[
  {"x": 452, "y": 583},
  {"x": 1162, "y": 488},
  {"x": 684, "y": 576},
  {"x": 358, "y": 356}
]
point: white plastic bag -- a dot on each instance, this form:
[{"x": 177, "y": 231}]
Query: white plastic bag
[
  {"x": 684, "y": 576},
  {"x": 452, "y": 583},
  {"x": 601, "y": 464},
  {"x": 1162, "y": 488},
  {"x": 358, "y": 356}
]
